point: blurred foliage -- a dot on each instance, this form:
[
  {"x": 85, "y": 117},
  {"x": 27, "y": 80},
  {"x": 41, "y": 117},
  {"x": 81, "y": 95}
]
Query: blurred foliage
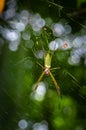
[
  {"x": 80, "y": 3},
  {"x": 17, "y": 77}
]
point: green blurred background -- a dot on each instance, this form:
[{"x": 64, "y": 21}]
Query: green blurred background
[{"x": 17, "y": 78}]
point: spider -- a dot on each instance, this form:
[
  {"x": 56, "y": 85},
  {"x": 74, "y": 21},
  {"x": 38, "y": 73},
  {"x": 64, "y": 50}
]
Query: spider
[{"x": 47, "y": 71}]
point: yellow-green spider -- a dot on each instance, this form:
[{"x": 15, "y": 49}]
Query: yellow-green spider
[{"x": 47, "y": 71}]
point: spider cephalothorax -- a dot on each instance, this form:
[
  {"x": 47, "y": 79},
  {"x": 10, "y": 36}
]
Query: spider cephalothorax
[{"x": 47, "y": 71}]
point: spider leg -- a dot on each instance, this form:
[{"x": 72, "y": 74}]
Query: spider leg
[
  {"x": 55, "y": 68},
  {"x": 56, "y": 85},
  {"x": 40, "y": 65},
  {"x": 39, "y": 79}
]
